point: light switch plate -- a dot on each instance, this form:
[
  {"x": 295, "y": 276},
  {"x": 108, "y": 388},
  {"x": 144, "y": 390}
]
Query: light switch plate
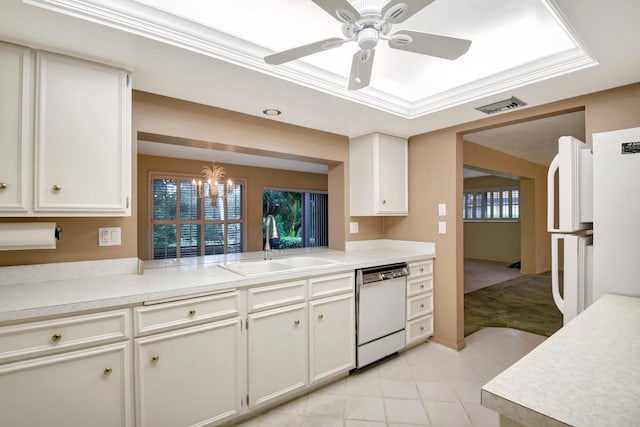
[
  {"x": 109, "y": 236},
  {"x": 442, "y": 209},
  {"x": 442, "y": 227},
  {"x": 353, "y": 227}
]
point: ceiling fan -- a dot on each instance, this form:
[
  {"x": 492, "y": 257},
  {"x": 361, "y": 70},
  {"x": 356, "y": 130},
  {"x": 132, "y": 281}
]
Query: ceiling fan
[{"x": 369, "y": 21}]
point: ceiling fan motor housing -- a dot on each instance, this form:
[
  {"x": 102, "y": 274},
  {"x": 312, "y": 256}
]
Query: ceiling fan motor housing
[{"x": 367, "y": 38}]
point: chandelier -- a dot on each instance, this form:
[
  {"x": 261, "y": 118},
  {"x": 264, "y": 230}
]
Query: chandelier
[{"x": 213, "y": 176}]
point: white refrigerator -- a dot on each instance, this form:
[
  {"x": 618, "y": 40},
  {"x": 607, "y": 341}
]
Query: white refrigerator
[{"x": 595, "y": 219}]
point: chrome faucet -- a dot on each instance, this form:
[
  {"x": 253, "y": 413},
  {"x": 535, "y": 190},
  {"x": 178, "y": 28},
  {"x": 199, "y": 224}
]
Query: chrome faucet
[{"x": 268, "y": 236}]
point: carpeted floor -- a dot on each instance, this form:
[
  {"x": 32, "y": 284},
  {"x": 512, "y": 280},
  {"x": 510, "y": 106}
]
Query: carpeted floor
[{"x": 523, "y": 303}]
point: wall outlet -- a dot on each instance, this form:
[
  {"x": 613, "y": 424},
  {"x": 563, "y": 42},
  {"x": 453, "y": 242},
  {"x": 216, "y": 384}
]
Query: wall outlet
[
  {"x": 353, "y": 227},
  {"x": 109, "y": 236}
]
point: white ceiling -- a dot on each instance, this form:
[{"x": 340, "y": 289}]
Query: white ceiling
[
  {"x": 175, "y": 57},
  {"x": 535, "y": 140}
]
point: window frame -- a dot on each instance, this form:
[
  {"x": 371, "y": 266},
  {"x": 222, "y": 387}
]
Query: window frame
[
  {"x": 153, "y": 175},
  {"x": 304, "y": 212},
  {"x": 484, "y": 207}
]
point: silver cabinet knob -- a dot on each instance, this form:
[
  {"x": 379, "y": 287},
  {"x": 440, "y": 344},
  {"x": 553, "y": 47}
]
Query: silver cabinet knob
[
  {"x": 3, "y": 185},
  {"x": 56, "y": 188}
]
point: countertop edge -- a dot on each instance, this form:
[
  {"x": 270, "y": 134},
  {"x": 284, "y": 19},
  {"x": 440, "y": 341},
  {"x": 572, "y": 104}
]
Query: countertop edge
[
  {"x": 517, "y": 412},
  {"x": 195, "y": 275}
]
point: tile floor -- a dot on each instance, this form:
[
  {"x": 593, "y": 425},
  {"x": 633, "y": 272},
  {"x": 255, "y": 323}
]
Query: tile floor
[
  {"x": 479, "y": 274},
  {"x": 428, "y": 385}
]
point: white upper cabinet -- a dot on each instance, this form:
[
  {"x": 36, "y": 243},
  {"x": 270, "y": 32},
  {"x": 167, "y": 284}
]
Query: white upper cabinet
[
  {"x": 65, "y": 129},
  {"x": 15, "y": 125},
  {"x": 82, "y": 137},
  {"x": 378, "y": 175}
]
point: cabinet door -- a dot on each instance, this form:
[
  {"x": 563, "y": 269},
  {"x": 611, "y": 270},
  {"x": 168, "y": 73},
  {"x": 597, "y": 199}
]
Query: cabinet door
[
  {"x": 82, "y": 137},
  {"x": 391, "y": 165},
  {"x": 15, "y": 136},
  {"x": 277, "y": 352},
  {"x": 86, "y": 387},
  {"x": 331, "y": 336},
  {"x": 189, "y": 377}
]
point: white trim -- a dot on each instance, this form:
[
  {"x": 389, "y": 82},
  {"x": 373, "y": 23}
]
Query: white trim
[{"x": 136, "y": 18}]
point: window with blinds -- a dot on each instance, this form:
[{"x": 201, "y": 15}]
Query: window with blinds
[
  {"x": 495, "y": 204},
  {"x": 301, "y": 217},
  {"x": 184, "y": 224}
]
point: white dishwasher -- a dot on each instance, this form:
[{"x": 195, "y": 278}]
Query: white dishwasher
[{"x": 380, "y": 312}]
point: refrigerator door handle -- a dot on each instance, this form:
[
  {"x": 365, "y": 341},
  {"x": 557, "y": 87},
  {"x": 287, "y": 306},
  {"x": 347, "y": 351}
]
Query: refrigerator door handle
[
  {"x": 551, "y": 194},
  {"x": 555, "y": 283}
]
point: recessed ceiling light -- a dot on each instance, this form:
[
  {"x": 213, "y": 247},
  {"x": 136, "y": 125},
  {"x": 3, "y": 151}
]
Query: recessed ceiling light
[{"x": 271, "y": 112}]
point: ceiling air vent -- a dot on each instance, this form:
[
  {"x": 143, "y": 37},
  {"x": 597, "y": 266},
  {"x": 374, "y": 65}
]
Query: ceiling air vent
[{"x": 497, "y": 107}]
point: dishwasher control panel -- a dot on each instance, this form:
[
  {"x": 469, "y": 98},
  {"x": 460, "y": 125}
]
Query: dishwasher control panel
[{"x": 383, "y": 272}]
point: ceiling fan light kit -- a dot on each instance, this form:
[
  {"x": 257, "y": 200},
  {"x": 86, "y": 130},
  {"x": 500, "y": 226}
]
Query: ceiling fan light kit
[{"x": 366, "y": 22}]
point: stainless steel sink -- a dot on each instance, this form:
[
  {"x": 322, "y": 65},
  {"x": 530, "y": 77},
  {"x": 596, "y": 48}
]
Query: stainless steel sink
[{"x": 252, "y": 268}]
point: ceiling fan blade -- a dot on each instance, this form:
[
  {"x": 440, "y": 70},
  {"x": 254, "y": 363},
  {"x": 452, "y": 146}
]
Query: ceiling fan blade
[
  {"x": 361, "y": 66},
  {"x": 397, "y": 11},
  {"x": 341, "y": 10},
  {"x": 300, "y": 51},
  {"x": 429, "y": 44}
]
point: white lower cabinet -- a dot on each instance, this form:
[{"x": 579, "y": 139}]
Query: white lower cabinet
[
  {"x": 277, "y": 353},
  {"x": 78, "y": 388},
  {"x": 189, "y": 377},
  {"x": 419, "y": 325},
  {"x": 331, "y": 336}
]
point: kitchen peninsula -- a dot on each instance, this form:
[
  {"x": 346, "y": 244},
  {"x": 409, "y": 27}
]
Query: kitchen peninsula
[{"x": 586, "y": 374}]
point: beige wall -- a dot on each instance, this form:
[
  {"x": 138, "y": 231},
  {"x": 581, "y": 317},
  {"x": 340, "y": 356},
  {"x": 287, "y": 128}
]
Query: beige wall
[
  {"x": 256, "y": 180},
  {"x": 79, "y": 242},
  {"x": 493, "y": 241},
  {"x": 435, "y": 162},
  {"x": 534, "y": 240}
]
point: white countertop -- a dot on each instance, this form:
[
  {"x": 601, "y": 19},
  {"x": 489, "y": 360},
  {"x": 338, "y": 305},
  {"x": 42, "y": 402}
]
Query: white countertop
[
  {"x": 52, "y": 289},
  {"x": 586, "y": 374}
]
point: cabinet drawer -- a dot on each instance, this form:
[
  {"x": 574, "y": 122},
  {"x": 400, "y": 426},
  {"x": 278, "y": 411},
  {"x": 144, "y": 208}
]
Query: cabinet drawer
[
  {"x": 331, "y": 285},
  {"x": 419, "y": 306},
  {"x": 420, "y": 268},
  {"x": 171, "y": 315},
  {"x": 419, "y": 285},
  {"x": 419, "y": 329},
  {"x": 265, "y": 297},
  {"x": 51, "y": 336}
]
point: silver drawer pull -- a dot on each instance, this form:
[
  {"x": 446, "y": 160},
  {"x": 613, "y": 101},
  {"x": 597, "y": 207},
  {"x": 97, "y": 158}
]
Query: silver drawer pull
[
  {"x": 192, "y": 313},
  {"x": 56, "y": 337},
  {"x": 108, "y": 371},
  {"x": 56, "y": 187},
  {"x": 3, "y": 185},
  {"x": 320, "y": 316},
  {"x": 421, "y": 328},
  {"x": 155, "y": 359},
  {"x": 421, "y": 306},
  {"x": 296, "y": 322}
]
